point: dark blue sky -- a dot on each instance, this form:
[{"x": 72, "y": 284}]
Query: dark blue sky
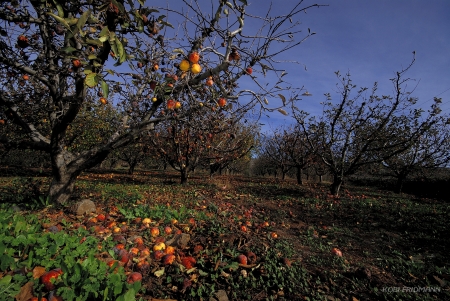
[{"x": 372, "y": 40}]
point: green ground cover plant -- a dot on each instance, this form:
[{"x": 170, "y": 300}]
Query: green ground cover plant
[{"x": 298, "y": 242}]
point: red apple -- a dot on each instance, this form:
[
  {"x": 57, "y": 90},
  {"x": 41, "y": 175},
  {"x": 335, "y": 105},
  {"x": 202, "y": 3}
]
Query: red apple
[
  {"x": 168, "y": 259},
  {"x": 133, "y": 277},
  {"x": 336, "y": 252},
  {"x": 188, "y": 262},
  {"x": 154, "y": 231},
  {"x": 46, "y": 279},
  {"x": 158, "y": 255},
  {"x": 242, "y": 259},
  {"x": 249, "y": 70},
  {"x": 168, "y": 230}
]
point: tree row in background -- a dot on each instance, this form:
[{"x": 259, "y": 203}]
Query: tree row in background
[{"x": 363, "y": 129}]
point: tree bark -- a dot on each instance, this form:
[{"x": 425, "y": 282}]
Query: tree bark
[
  {"x": 61, "y": 188},
  {"x": 299, "y": 175},
  {"x": 336, "y": 185},
  {"x": 184, "y": 176},
  {"x": 399, "y": 185}
]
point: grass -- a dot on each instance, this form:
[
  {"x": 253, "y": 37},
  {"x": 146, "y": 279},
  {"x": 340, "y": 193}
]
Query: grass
[{"x": 390, "y": 243}]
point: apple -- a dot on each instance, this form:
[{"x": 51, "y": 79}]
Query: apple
[
  {"x": 273, "y": 235},
  {"x": 168, "y": 230},
  {"x": 46, "y": 278},
  {"x": 134, "y": 251},
  {"x": 76, "y": 63},
  {"x": 25, "y": 77},
  {"x": 243, "y": 228},
  {"x": 249, "y": 70},
  {"x": 194, "y": 57},
  {"x": 222, "y": 102},
  {"x": 287, "y": 262},
  {"x": 138, "y": 241},
  {"x": 145, "y": 252},
  {"x": 188, "y": 262},
  {"x": 143, "y": 266},
  {"x": 336, "y": 252},
  {"x": 158, "y": 255},
  {"x": 124, "y": 256},
  {"x": 159, "y": 246},
  {"x": 146, "y": 221},
  {"x": 242, "y": 259},
  {"x": 168, "y": 259},
  {"x": 133, "y": 277},
  {"x": 101, "y": 217},
  {"x": 170, "y": 250},
  {"x": 198, "y": 248},
  {"x": 154, "y": 231}
]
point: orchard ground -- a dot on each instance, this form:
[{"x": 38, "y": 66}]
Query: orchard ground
[{"x": 394, "y": 247}]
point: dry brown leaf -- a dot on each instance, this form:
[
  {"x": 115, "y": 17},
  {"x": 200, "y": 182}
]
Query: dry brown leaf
[
  {"x": 38, "y": 272},
  {"x": 26, "y": 292}
]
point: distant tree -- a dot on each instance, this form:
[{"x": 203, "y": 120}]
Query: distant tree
[
  {"x": 429, "y": 150},
  {"x": 52, "y": 53},
  {"x": 356, "y": 131},
  {"x": 288, "y": 149},
  {"x": 274, "y": 147}
]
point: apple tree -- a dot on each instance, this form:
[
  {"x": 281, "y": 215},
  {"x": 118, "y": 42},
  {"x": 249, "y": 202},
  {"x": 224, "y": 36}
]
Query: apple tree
[
  {"x": 429, "y": 150},
  {"x": 53, "y": 54},
  {"x": 359, "y": 129}
]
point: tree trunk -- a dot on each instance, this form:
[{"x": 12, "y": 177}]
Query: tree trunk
[
  {"x": 61, "y": 188},
  {"x": 337, "y": 182},
  {"x": 399, "y": 185},
  {"x": 184, "y": 176},
  {"x": 66, "y": 167},
  {"x": 132, "y": 167},
  {"x": 299, "y": 175}
]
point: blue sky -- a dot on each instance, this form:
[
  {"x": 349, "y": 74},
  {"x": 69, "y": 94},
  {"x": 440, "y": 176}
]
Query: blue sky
[{"x": 372, "y": 40}]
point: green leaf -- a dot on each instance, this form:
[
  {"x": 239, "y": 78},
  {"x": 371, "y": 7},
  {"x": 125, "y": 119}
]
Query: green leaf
[
  {"x": 104, "y": 32},
  {"x": 59, "y": 8},
  {"x": 68, "y": 49},
  {"x": 130, "y": 295},
  {"x": 105, "y": 88},
  {"x": 82, "y": 20},
  {"x": 233, "y": 266},
  {"x": 4, "y": 281},
  {"x": 98, "y": 42},
  {"x": 60, "y": 20},
  {"x": 121, "y": 51},
  {"x": 166, "y": 24},
  {"x": 5, "y": 262},
  {"x": 92, "y": 80},
  {"x": 92, "y": 57},
  {"x": 103, "y": 39}
]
